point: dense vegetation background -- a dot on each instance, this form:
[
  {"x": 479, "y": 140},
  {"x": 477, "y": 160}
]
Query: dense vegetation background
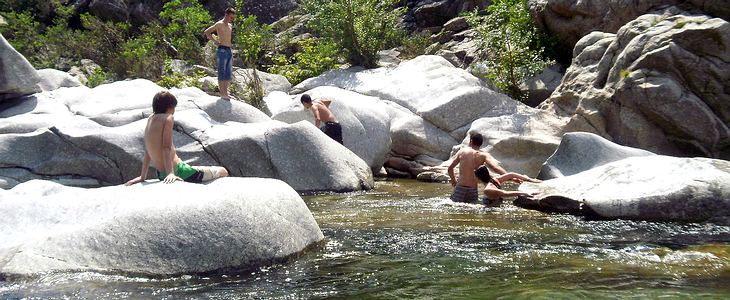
[{"x": 51, "y": 34}]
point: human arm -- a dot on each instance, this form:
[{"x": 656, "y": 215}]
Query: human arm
[
  {"x": 317, "y": 119},
  {"x": 494, "y": 164},
  {"x": 326, "y": 102},
  {"x": 168, "y": 150},
  {"x": 145, "y": 168},
  {"x": 494, "y": 193},
  {"x": 452, "y": 178},
  {"x": 209, "y": 34}
]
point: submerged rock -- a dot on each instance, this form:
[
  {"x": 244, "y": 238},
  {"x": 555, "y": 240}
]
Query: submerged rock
[{"x": 152, "y": 229}]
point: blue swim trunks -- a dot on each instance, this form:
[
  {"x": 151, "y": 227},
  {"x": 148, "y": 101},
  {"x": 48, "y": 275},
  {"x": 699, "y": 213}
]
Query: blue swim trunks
[{"x": 225, "y": 63}]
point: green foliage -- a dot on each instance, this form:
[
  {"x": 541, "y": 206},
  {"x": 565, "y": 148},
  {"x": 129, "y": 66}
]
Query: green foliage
[
  {"x": 624, "y": 73},
  {"x": 414, "y": 45},
  {"x": 360, "y": 27},
  {"x": 316, "y": 57},
  {"x": 252, "y": 39},
  {"x": 98, "y": 77},
  {"x": 101, "y": 42},
  {"x": 186, "y": 20},
  {"x": 143, "y": 55},
  {"x": 178, "y": 80},
  {"x": 22, "y": 32},
  {"x": 510, "y": 43}
]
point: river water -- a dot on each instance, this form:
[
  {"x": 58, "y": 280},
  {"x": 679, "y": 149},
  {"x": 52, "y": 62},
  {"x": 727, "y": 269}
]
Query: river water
[{"x": 405, "y": 239}]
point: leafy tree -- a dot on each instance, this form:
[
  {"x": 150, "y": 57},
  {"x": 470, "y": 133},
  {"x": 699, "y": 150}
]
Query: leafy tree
[
  {"x": 143, "y": 55},
  {"x": 185, "y": 22},
  {"x": 510, "y": 45},
  {"x": 360, "y": 27},
  {"x": 316, "y": 57},
  {"x": 22, "y": 32}
]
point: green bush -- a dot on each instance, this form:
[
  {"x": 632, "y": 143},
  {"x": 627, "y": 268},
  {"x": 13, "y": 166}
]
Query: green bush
[
  {"x": 414, "y": 45},
  {"x": 22, "y": 31},
  {"x": 316, "y": 57},
  {"x": 144, "y": 55},
  {"x": 360, "y": 27},
  {"x": 185, "y": 22},
  {"x": 98, "y": 77},
  {"x": 172, "y": 79},
  {"x": 510, "y": 45}
]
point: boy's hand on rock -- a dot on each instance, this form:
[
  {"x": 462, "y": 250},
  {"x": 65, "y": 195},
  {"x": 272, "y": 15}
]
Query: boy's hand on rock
[{"x": 171, "y": 178}]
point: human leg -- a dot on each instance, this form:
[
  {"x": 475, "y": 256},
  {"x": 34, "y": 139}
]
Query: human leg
[
  {"x": 225, "y": 70},
  {"x": 209, "y": 173},
  {"x": 334, "y": 131}
]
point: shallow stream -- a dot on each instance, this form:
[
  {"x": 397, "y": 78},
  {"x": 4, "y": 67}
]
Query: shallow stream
[{"x": 405, "y": 239}]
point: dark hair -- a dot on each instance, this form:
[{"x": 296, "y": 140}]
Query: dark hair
[
  {"x": 305, "y": 99},
  {"x": 230, "y": 11},
  {"x": 483, "y": 174},
  {"x": 163, "y": 101},
  {"x": 476, "y": 139}
]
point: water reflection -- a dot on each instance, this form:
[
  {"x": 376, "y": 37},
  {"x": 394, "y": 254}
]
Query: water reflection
[{"x": 407, "y": 240}]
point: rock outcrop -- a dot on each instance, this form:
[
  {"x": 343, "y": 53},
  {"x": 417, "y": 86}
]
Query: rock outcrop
[
  {"x": 582, "y": 151},
  {"x": 432, "y": 105},
  {"x": 93, "y": 137},
  {"x": 17, "y": 75},
  {"x": 365, "y": 120},
  {"x": 570, "y": 20},
  {"x": 152, "y": 228},
  {"x": 593, "y": 177},
  {"x": 659, "y": 84},
  {"x": 651, "y": 188}
]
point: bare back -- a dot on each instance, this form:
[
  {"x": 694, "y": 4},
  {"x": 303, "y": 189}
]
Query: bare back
[
  {"x": 469, "y": 160},
  {"x": 158, "y": 138},
  {"x": 323, "y": 111}
]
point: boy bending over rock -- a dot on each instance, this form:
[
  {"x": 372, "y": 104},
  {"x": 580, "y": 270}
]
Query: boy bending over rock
[{"x": 160, "y": 150}]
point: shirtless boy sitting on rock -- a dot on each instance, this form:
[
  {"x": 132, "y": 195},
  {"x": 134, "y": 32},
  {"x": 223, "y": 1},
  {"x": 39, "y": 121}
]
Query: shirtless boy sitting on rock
[
  {"x": 469, "y": 159},
  {"x": 160, "y": 150}
]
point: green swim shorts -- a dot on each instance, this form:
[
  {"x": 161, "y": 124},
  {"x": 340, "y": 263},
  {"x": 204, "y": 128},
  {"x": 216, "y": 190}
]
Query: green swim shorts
[{"x": 184, "y": 171}]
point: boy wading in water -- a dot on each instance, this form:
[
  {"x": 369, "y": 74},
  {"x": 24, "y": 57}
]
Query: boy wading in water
[
  {"x": 223, "y": 29},
  {"x": 469, "y": 159},
  {"x": 322, "y": 113},
  {"x": 160, "y": 150}
]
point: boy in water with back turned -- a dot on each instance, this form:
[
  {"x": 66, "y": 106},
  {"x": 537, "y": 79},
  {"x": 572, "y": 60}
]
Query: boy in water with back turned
[
  {"x": 160, "y": 150},
  {"x": 322, "y": 113},
  {"x": 469, "y": 159}
]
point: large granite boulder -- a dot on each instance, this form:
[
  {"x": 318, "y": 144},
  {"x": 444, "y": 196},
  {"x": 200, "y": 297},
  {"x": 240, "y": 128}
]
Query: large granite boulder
[
  {"x": 428, "y": 85},
  {"x": 93, "y": 137},
  {"x": 17, "y": 75},
  {"x": 582, "y": 151},
  {"x": 651, "y": 188},
  {"x": 152, "y": 228},
  {"x": 570, "y": 20},
  {"x": 659, "y": 84},
  {"x": 432, "y": 105},
  {"x": 54, "y": 79},
  {"x": 521, "y": 140},
  {"x": 365, "y": 120}
]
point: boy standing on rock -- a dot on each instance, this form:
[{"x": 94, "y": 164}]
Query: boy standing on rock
[
  {"x": 224, "y": 30},
  {"x": 322, "y": 113},
  {"x": 469, "y": 159},
  {"x": 160, "y": 150}
]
